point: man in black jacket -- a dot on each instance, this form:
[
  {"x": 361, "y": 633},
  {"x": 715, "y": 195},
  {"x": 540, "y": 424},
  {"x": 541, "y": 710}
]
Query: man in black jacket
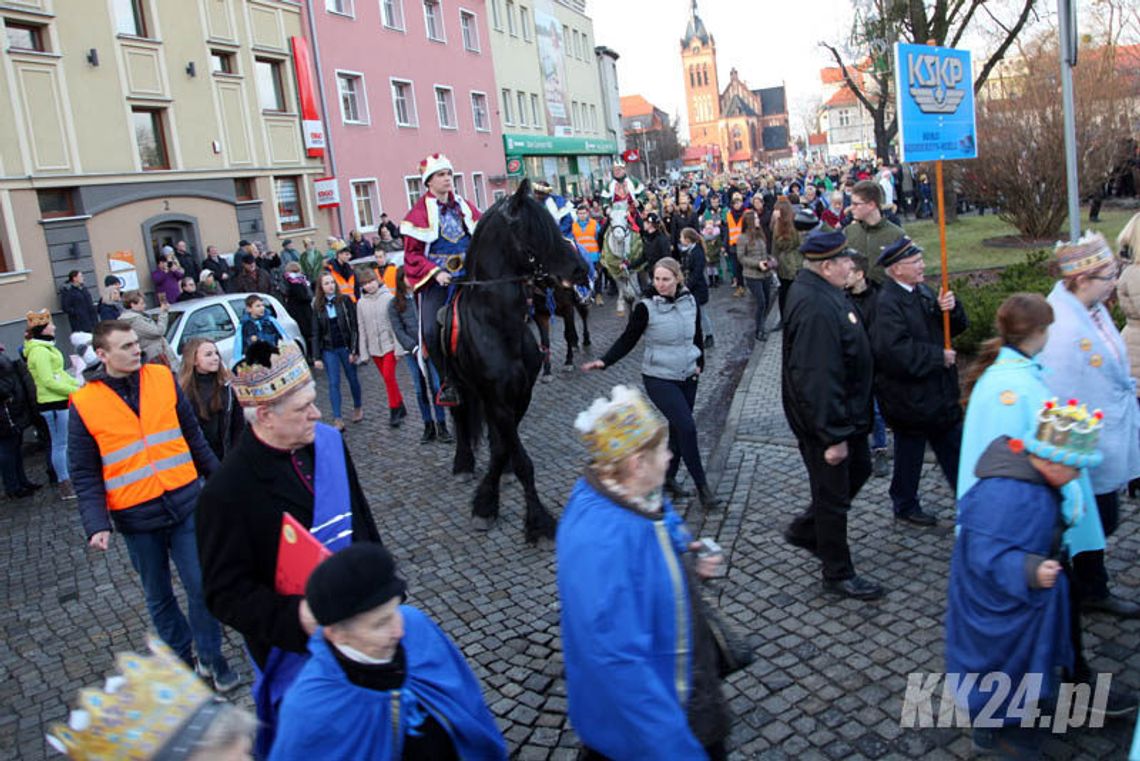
[
  {"x": 827, "y": 372},
  {"x": 277, "y": 467},
  {"x": 916, "y": 378}
]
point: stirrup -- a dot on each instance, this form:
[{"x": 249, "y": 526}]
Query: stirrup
[{"x": 447, "y": 396}]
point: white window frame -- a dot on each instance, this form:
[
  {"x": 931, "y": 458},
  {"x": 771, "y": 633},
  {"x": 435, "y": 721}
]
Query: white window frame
[
  {"x": 512, "y": 22},
  {"x": 574, "y": 46},
  {"x": 499, "y": 195},
  {"x": 479, "y": 188},
  {"x": 419, "y": 183},
  {"x": 398, "y": 23},
  {"x": 535, "y": 111},
  {"x": 525, "y": 23},
  {"x": 436, "y": 90},
  {"x": 439, "y": 17},
  {"x": 575, "y": 115},
  {"x": 505, "y": 106},
  {"x": 349, "y": 12},
  {"x": 457, "y": 183},
  {"x": 593, "y": 117},
  {"x": 520, "y": 101},
  {"x": 496, "y": 15},
  {"x": 374, "y": 197},
  {"x": 473, "y": 26},
  {"x": 363, "y": 113},
  {"x": 413, "y": 113},
  {"x": 486, "y": 111}
]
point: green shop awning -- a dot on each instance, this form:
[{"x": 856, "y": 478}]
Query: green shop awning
[{"x": 548, "y": 145}]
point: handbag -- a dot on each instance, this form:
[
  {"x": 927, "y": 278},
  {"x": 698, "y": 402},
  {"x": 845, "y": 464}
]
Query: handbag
[{"x": 733, "y": 650}]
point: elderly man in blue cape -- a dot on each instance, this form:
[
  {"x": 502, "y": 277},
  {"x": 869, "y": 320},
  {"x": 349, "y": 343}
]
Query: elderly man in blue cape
[
  {"x": 1008, "y": 594},
  {"x": 384, "y": 682}
]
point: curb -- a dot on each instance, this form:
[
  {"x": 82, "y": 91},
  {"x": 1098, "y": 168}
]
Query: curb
[{"x": 724, "y": 443}]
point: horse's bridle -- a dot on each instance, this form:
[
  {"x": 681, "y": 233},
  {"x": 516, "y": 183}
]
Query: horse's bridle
[{"x": 538, "y": 272}]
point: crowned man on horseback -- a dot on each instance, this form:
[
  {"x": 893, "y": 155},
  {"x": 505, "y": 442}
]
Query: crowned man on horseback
[
  {"x": 437, "y": 233},
  {"x": 625, "y": 189}
]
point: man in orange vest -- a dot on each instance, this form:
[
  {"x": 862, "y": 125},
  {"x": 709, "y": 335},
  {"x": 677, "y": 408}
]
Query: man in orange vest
[
  {"x": 342, "y": 272},
  {"x": 734, "y": 225},
  {"x": 136, "y": 453},
  {"x": 587, "y": 233}
]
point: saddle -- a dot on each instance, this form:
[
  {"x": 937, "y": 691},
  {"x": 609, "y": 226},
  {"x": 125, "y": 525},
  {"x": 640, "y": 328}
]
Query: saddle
[{"x": 448, "y": 320}]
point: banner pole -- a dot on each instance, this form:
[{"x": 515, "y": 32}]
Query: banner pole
[{"x": 942, "y": 242}]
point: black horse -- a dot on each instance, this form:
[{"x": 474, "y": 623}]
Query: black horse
[
  {"x": 566, "y": 303},
  {"x": 493, "y": 356}
]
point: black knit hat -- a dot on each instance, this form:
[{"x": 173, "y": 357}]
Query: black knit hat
[{"x": 356, "y": 579}]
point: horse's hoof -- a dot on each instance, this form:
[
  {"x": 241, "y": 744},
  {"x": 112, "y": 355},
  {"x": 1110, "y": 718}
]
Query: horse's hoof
[
  {"x": 465, "y": 477},
  {"x": 547, "y": 378},
  {"x": 568, "y": 368},
  {"x": 481, "y": 524}
]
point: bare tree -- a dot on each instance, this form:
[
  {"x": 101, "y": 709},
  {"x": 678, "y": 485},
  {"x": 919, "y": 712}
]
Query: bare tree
[
  {"x": 879, "y": 24},
  {"x": 1021, "y": 137}
]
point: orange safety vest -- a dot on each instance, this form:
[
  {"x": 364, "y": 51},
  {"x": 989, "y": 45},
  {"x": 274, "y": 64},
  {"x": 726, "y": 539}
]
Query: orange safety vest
[
  {"x": 734, "y": 228},
  {"x": 346, "y": 286},
  {"x": 143, "y": 455},
  {"x": 390, "y": 278},
  {"x": 587, "y": 238}
]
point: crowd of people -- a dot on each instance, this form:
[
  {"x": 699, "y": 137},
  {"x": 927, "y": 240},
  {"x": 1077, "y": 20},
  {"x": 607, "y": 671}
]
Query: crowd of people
[{"x": 219, "y": 469}]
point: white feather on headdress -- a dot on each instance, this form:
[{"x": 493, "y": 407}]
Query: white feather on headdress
[{"x": 588, "y": 418}]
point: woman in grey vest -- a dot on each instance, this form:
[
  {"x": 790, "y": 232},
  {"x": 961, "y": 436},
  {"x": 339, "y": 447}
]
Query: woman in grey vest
[{"x": 670, "y": 320}]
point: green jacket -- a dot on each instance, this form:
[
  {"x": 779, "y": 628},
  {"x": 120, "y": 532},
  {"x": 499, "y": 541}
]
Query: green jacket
[
  {"x": 313, "y": 264},
  {"x": 788, "y": 256},
  {"x": 48, "y": 369},
  {"x": 870, "y": 240}
]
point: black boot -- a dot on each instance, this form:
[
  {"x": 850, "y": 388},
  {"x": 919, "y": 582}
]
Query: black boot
[
  {"x": 675, "y": 490},
  {"x": 707, "y": 498},
  {"x": 394, "y": 418},
  {"x": 429, "y": 433},
  {"x": 442, "y": 434}
]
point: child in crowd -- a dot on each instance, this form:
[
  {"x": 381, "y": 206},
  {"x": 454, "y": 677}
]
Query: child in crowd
[{"x": 256, "y": 325}]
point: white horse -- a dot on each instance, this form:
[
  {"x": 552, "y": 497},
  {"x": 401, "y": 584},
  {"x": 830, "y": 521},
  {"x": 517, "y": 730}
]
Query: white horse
[{"x": 622, "y": 256}]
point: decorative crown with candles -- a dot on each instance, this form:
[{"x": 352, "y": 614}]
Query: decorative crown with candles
[{"x": 1067, "y": 434}]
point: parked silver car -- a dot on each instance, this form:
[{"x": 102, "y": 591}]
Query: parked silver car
[{"x": 218, "y": 318}]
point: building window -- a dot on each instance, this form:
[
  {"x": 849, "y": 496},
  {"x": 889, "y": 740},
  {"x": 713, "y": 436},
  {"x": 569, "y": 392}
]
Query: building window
[
  {"x": 536, "y": 120},
  {"x": 497, "y": 15},
  {"x": 524, "y": 22},
  {"x": 245, "y": 189},
  {"x": 459, "y": 188},
  {"x": 150, "y": 135},
  {"x": 479, "y": 112},
  {"x": 290, "y": 214},
  {"x": 353, "y": 105},
  {"x": 393, "y": 11},
  {"x": 270, "y": 92},
  {"x": 445, "y": 108},
  {"x": 522, "y": 108},
  {"x": 575, "y": 116},
  {"x": 565, "y": 35},
  {"x": 130, "y": 18},
  {"x": 413, "y": 188},
  {"x": 364, "y": 195},
  {"x": 576, "y": 44},
  {"x": 24, "y": 36},
  {"x": 433, "y": 20},
  {"x": 593, "y": 117},
  {"x": 470, "y": 31},
  {"x": 403, "y": 103},
  {"x": 505, "y": 99},
  {"x": 222, "y": 62},
  {"x": 480, "y": 190},
  {"x": 512, "y": 24},
  {"x": 499, "y": 195},
  {"x": 844, "y": 117},
  {"x": 343, "y": 7},
  {"x": 56, "y": 202}
]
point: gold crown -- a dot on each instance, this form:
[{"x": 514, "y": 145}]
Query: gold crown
[
  {"x": 155, "y": 704},
  {"x": 36, "y": 319},
  {"x": 255, "y": 383},
  {"x": 617, "y": 427},
  {"x": 1089, "y": 253},
  {"x": 1067, "y": 434}
]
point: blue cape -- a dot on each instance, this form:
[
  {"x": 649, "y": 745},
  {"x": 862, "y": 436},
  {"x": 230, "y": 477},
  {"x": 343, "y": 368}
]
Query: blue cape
[
  {"x": 626, "y": 628},
  {"x": 325, "y": 716}
]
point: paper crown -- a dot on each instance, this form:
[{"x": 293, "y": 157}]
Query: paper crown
[
  {"x": 615, "y": 428},
  {"x": 155, "y": 705},
  {"x": 541, "y": 186},
  {"x": 1067, "y": 434},
  {"x": 432, "y": 164},
  {"x": 36, "y": 319},
  {"x": 1089, "y": 253},
  {"x": 618, "y": 163},
  {"x": 268, "y": 373}
]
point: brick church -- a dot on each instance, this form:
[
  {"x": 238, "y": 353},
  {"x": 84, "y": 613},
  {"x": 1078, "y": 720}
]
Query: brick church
[{"x": 733, "y": 129}]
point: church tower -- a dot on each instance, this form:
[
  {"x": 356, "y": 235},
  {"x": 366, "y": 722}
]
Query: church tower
[{"x": 702, "y": 90}]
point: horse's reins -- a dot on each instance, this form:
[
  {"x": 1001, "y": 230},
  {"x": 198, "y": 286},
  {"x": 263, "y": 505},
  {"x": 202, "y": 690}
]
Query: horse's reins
[{"x": 538, "y": 273}]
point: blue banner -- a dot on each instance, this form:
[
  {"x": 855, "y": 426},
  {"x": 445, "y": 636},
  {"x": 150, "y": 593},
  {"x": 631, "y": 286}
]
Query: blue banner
[{"x": 935, "y": 102}]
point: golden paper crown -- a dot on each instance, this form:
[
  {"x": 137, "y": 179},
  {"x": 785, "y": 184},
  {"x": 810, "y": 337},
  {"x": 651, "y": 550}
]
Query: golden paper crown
[
  {"x": 266, "y": 373},
  {"x": 1067, "y": 434},
  {"x": 36, "y": 319},
  {"x": 615, "y": 428},
  {"x": 1089, "y": 253},
  {"x": 155, "y": 704}
]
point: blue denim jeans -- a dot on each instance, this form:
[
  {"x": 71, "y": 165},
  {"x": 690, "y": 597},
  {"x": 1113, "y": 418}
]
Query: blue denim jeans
[
  {"x": 425, "y": 391},
  {"x": 57, "y": 426},
  {"x": 151, "y": 553},
  {"x": 878, "y": 430},
  {"x": 335, "y": 359}
]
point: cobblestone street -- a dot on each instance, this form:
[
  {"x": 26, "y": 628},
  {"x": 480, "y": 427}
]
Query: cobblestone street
[{"x": 829, "y": 678}]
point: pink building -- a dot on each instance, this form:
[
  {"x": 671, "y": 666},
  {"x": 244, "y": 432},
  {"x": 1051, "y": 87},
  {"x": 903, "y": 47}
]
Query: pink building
[{"x": 400, "y": 79}]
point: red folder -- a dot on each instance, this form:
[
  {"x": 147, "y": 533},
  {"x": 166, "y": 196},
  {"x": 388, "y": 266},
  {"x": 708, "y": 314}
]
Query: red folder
[{"x": 298, "y": 553}]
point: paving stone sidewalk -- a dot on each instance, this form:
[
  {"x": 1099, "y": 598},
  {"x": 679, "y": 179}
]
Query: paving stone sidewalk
[{"x": 829, "y": 679}]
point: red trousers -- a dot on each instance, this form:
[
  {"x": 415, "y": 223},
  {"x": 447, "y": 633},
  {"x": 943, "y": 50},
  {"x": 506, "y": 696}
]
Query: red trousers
[{"x": 386, "y": 364}]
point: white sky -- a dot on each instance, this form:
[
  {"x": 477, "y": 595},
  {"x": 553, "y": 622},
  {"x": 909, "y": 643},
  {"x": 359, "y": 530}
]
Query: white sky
[{"x": 768, "y": 41}]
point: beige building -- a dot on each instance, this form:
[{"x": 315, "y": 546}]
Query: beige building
[
  {"x": 137, "y": 123},
  {"x": 551, "y": 104}
]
